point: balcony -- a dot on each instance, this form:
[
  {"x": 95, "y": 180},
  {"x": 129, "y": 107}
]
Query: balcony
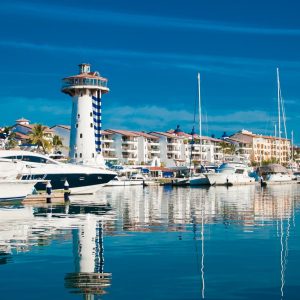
[
  {"x": 106, "y": 140},
  {"x": 83, "y": 82},
  {"x": 155, "y": 151},
  {"x": 107, "y": 149},
  {"x": 128, "y": 142}
]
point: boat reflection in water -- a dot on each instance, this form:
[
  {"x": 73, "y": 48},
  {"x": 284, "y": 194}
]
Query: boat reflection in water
[{"x": 116, "y": 212}]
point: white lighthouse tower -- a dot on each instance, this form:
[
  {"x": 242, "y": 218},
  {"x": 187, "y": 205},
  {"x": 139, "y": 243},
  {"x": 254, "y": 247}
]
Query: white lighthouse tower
[{"x": 86, "y": 90}]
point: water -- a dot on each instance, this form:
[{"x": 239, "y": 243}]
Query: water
[{"x": 155, "y": 243}]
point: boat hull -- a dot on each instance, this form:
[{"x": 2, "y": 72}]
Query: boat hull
[
  {"x": 16, "y": 189},
  {"x": 79, "y": 183},
  {"x": 199, "y": 180},
  {"x": 277, "y": 179},
  {"x": 229, "y": 179}
]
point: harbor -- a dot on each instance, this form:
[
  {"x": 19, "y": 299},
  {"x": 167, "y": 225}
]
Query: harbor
[
  {"x": 177, "y": 207},
  {"x": 149, "y": 150}
]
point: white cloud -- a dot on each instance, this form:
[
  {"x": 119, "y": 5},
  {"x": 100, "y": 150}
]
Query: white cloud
[{"x": 161, "y": 118}]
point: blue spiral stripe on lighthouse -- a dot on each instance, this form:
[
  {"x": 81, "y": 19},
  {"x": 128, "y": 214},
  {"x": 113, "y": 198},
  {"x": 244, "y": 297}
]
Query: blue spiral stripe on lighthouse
[
  {"x": 96, "y": 106},
  {"x": 97, "y": 122}
]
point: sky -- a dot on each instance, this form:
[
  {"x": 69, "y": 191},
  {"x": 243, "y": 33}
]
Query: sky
[{"x": 151, "y": 52}]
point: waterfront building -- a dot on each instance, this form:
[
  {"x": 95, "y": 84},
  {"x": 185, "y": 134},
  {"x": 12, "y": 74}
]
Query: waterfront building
[
  {"x": 148, "y": 149},
  {"x": 125, "y": 145},
  {"x": 243, "y": 147},
  {"x": 86, "y": 90},
  {"x": 259, "y": 148},
  {"x": 205, "y": 151},
  {"x": 130, "y": 147},
  {"x": 22, "y": 129},
  {"x": 172, "y": 148},
  {"x": 108, "y": 147}
]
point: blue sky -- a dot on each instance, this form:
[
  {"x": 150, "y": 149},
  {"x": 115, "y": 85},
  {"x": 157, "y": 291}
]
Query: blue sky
[{"x": 151, "y": 51}]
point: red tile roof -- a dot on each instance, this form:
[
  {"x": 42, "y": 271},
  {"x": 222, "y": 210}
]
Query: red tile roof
[
  {"x": 146, "y": 135},
  {"x": 123, "y": 132},
  {"x": 30, "y": 126}
]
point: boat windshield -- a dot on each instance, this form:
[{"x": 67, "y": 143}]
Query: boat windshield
[{"x": 32, "y": 158}]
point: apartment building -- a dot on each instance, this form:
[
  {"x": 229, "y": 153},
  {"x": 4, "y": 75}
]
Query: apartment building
[
  {"x": 108, "y": 146},
  {"x": 260, "y": 148},
  {"x": 172, "y": 148},
  {"x": 148, "y": 148},
  {"x": 125, "y": 145}
]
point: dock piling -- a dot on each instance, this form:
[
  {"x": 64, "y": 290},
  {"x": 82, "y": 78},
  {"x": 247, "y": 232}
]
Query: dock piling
[
  {"x": 48, "y": 191},
  {"x": 66, "y": 191}
]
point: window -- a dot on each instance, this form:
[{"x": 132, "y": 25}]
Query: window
[
  {"x": 93, "y": 155},
  {"x": 80, "y": 135},
  {"x": 91, "y": 114},
  {"x": 77, "y": 125},
  {"x": 80, "y": 155},
  {"x": 75, "y": 155},
  {"x": 78, "y": 116},
  {"x": 92, "y": 125}
]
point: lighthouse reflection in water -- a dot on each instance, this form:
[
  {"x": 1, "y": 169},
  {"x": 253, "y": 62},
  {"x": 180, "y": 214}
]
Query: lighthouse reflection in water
[
  {"x": 89, "y": 277},
  {"x": 156, "y": 243}
]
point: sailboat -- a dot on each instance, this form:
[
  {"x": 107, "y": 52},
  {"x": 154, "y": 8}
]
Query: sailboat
[
  {"x": 276, "y": 173},
  {"x": 199, "y": 179}
]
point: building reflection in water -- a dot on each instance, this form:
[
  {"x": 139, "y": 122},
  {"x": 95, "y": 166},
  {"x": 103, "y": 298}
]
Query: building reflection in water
[
  {"x": 25, "y": 227},
  {"x": 89, "y": 277},
  {"x": 155, "y": 209},
  {"x": 133, "y": 209}
]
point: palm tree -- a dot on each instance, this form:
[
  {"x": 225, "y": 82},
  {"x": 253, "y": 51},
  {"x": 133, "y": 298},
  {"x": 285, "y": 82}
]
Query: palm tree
[
  {"x": 223, "y": 146},
  {"x": 37, "y": 137},
  {"x": 57, "y": 142},
  {"x": 227, "y": 148},
  {"x": 232, "y": 149}
]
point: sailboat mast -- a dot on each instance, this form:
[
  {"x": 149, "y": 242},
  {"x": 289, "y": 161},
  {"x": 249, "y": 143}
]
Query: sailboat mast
[
  {"x": 292, "y": 140},
  {"x": 200, "y": 118},
  {"x": 279, "y": 121}
]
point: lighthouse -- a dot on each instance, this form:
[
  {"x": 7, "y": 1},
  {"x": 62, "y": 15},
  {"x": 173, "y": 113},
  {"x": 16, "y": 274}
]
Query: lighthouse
[{"x": 86, "y": 90}]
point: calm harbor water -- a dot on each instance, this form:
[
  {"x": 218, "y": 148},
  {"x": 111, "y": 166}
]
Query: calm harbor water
[{"x": 155, "y": 243}]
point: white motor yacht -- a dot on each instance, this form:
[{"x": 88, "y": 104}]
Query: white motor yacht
[
  {"x": 274, "y": 174},
  {"x": 35, "y": 166},
  {"x": 16, "y": 189},
  {"x": 230, "y": 173},
  {"x": 11, "y": 186}
]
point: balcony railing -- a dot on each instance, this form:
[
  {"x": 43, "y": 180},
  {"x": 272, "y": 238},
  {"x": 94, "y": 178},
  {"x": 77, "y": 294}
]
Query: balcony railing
[{"x": 84, "y": 82}]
